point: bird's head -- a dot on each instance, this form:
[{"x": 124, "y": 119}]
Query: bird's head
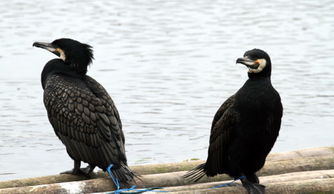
[
  {"x": 258, "y": 63},
  {"x": 75, "y": 54}
]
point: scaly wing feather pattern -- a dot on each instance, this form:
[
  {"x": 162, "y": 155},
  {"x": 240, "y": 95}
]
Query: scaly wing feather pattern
[
  {"x": 101, "y": 93},
  {"x": 85, "y": 120},
  {"x": 221, "y": 135}
]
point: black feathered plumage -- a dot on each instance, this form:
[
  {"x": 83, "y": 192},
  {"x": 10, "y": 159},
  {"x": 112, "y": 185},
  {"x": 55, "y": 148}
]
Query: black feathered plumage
[
  {"x": 245, "y": 127},
  {"x": 81, "y": 111}
]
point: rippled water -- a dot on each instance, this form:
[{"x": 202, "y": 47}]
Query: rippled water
[{"x": 168, "y": 65}]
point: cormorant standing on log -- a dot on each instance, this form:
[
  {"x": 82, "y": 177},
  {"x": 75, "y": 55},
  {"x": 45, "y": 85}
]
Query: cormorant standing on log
[
  {"x": 81, "y": 111},
  {"x": 245, "y": 127}
]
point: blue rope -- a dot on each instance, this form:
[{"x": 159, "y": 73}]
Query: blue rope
[
  {"x": 114, "y": 179},
  {"x": 126, "y": 190},
  {"x": 133, "y": 188},
  {"x": 227, "y": 184}
]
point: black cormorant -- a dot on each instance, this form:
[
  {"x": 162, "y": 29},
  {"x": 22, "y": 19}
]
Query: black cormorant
[
  {"x": 81, "y": 111},
  {"x": 245, "y": 127}
]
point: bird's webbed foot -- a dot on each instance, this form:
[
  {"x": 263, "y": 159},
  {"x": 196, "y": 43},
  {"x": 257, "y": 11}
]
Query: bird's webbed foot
[
  {"x": 253, "y": 188},
  {"x": 87, "y": 170},
  {"x": 74, "y": 172},
  {"x": 79, "y": 171}
]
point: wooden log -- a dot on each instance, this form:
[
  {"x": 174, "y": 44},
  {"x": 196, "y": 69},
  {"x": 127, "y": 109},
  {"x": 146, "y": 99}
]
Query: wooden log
[
  {"x": 300, "y": 182},
  {"x": 269, "y": 181},
  {"x": 86, "y": 186},
  {"x": 311, "y": 186},
  {"x": 140, "y": 169},
  {"x": 277, "y": 163}
]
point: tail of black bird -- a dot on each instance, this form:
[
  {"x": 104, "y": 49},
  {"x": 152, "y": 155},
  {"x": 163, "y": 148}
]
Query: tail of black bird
[
  {"x": 252, "y": 187},
  {"x": 123, "y": 173},
  {"x": 195, "y": 174}
]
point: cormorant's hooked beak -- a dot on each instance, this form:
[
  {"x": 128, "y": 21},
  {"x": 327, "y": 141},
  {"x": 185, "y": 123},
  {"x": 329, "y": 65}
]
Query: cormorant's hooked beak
[
  {"x": 47, "y": 46},
  {"x": 253, "y": 64}
]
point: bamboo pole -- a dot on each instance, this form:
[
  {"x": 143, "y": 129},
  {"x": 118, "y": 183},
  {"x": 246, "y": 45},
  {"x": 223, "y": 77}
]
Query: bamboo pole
[
  {"x": 310, "y": 186},
  {"x": 302, "y": 182},
  {"x": 277, "y": 163},
  {"x": 269, "y": 181}
]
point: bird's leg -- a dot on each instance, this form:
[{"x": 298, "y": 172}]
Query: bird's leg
[
  {"x": 76, "y": 170},
  {"x": 252, "y": 178},
  {"x": 253, "y": 188},
  {"x": 88, "y": 169}
]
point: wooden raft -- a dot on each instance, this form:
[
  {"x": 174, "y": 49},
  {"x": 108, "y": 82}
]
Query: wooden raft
[{"x": 302, "y": 171}]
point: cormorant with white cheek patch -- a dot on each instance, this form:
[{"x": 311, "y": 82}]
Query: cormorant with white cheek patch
[
  {"x": 81, "y": 111},
  {"x": 245, "y": 127}
]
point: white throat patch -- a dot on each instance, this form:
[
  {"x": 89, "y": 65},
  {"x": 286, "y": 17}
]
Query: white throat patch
[
  {"x": 262, "y": 64},
  {"x": 62, "y": 53}
]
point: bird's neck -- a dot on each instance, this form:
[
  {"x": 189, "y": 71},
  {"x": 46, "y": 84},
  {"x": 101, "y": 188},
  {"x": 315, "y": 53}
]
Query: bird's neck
[
  {"x": 79, "y": 68},
  {"x": 258, "y": 76},
  {"x": 256, "y": 83},
  {"x": 258, "y": 80},
  {"x": 57, "y": 66}
]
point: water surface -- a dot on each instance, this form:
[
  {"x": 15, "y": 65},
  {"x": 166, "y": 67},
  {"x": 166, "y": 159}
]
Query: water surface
[{"x": 168, "y": 65}]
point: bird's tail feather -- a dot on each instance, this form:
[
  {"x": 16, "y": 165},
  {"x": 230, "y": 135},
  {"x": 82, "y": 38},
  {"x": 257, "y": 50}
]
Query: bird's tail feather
[
  {"x": 124, "y": 174},
  {"x": 195, "y": 174}
]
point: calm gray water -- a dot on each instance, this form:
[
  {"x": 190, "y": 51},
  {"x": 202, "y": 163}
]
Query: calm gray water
[{"x": 168, "y": 65}]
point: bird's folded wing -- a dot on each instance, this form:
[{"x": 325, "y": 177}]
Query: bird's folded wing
[
  {"x": 221, "y": 136},
  {"x": 81, "y": 119}
]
